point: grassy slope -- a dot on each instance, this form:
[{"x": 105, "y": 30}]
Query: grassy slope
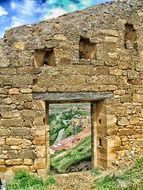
[
  {"x": 57, "y": 123},
  {"x": 24, "y": 181},
  {"x": 131, "y": 179},
  {"x": 77, "y": 154}
]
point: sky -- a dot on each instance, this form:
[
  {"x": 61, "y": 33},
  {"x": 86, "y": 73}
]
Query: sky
[{"x": 18, "y": 12}]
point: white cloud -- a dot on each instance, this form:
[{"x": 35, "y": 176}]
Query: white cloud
[
  {"x": 16, "y": 21},
  {"x": 55, "y": 13},
  {"x": 52, "y": 1},
  {"x": 13, "y": 5},
  {"x": 87, "y": 3},
  {"x": 25, "y": 7},
  {"x": 24, "y": 11},
  {"x": 29, "y": 7},
  {"x": 72, "y": 7},
  {"x": 3, "y": 12}
]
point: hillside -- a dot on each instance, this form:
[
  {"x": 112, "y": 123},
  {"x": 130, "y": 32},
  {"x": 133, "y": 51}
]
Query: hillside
[{"x": 70, "y": 138}]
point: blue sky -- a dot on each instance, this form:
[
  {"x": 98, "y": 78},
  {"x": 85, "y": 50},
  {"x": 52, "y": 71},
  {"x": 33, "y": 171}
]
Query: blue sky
[{"x": 18, "y": 12}]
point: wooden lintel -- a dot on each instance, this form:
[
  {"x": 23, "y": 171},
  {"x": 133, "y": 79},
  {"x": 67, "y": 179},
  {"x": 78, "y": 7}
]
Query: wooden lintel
[{"x": 56, "y": 97}]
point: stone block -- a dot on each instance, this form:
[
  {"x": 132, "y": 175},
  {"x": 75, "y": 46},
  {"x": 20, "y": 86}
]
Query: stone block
[
  {"x": 111, "y": 154},
  {"x": 28, "y": 162},
  {"x": 13, "y": 162},
  {"x": 43, "y": 173},
  {"x": 8, "y": 101},
  {"x": 19, "y": 168},
  {"x": 13, "y": 141},
  {"x": 109, "y": 32},
  {"x": 26, "y": 143},
  {"x": 15, "y": 147},
  {"x": 39, "y": 140},
  {"x": 39, "y": 130},
  {"x": 27, "y": 70},
  {"x": 7, "y": 71},
  {"x": 19, "y": 45},
  {"x": 32, "y": 169},
  {"x": 126, "y": 132},
  {"x": 27, "y": 154},
  {"x": 41, "y": 151},
  {"x": 113, "y": 56},
  {"x": 123, "y": 121},
  {"x": 113, "y": 141},
  {"x": 14, "y": 91},
  {"x": 4, "y": 131},
  {"x": 115, "y": 71},
  {"x": 134, "y": 120},
  {"x": 2, "y": 141},
  {"x": 112, "y": 130},
  {"x": 28, "y": 113},
  {"x": 119, "y": 92},
  {"x": 5, "y": 80},
  {"x": 11, "y": 122},
  {"x": 135, "y": 81},
  {"x": 26, "y": 90},
  {"x": 111, "y": 39},
  {"x": 12, "y": 154},
  {"x": 1, "y": 161},
  {"x": 23, "y": 80},
  {"x": 111, "y": 120},
  {"x": 133, "y": 75},
  {"x": 126, "y": 98},
  {"x": 39, "y": 105},
  {"x": 124, "y": 139},
  {"x": 21, "y": 98},
  {"x": 28, "y": 105},
  {"x": 2, "y": 168},
  {"x": 60, "y": 37},
  {"x": 23, "y": 131},
  {"x": 138, "y": 98},
  {"x": 40, "y": 163},
  {"x": 10, "y": 114},
  {"x": 38, "y": 121},
  {"x": 99, "y": 71},
  {"x": 3, "y": 91},
  {"x": 138, "y": 65}
]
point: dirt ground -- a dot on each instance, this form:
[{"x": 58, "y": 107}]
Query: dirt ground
[{"x": 74, "y": 181}]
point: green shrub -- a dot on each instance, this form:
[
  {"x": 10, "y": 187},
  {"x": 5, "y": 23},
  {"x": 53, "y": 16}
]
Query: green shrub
[
  {"x": 131, "y": 179},
  {"x": 96, "y": 171},
  {"x": 24, "y": 181},
  {"x": 57, "y": 122},
  {"x": 63, "y": 160}
]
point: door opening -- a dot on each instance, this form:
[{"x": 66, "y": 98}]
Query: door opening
[
  {"x": 101, "y": 110},
  {"x": 70, "y": 137}
]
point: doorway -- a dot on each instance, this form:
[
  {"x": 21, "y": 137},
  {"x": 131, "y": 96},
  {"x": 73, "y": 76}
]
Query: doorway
[
  {"x": 70, "y": 137},
  {"x": 101, "y": 108}
]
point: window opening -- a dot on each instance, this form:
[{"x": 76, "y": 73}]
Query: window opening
[
  {"x": 130, "y": 37},
  {"x": 44, "y": 57},
  {"x": 87, "y": 50}
]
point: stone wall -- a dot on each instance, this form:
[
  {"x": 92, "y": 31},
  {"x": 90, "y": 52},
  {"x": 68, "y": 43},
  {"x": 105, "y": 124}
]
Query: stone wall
[{"x": 99, "y": 49}]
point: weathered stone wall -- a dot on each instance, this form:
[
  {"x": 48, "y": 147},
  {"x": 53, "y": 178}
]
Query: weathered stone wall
[{"x": 95, "y": 50}]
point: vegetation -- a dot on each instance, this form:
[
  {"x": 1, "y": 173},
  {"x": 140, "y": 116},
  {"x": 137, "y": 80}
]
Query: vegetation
[
  {"x": 63, "y": 160},
  {"x": 62, "y": 126},
  {"x": 96, "y": 171},
  {"x": 24, "y": 181},
  {"x": 61, "y": 120},
  {"x": 131, "y": 179}
]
